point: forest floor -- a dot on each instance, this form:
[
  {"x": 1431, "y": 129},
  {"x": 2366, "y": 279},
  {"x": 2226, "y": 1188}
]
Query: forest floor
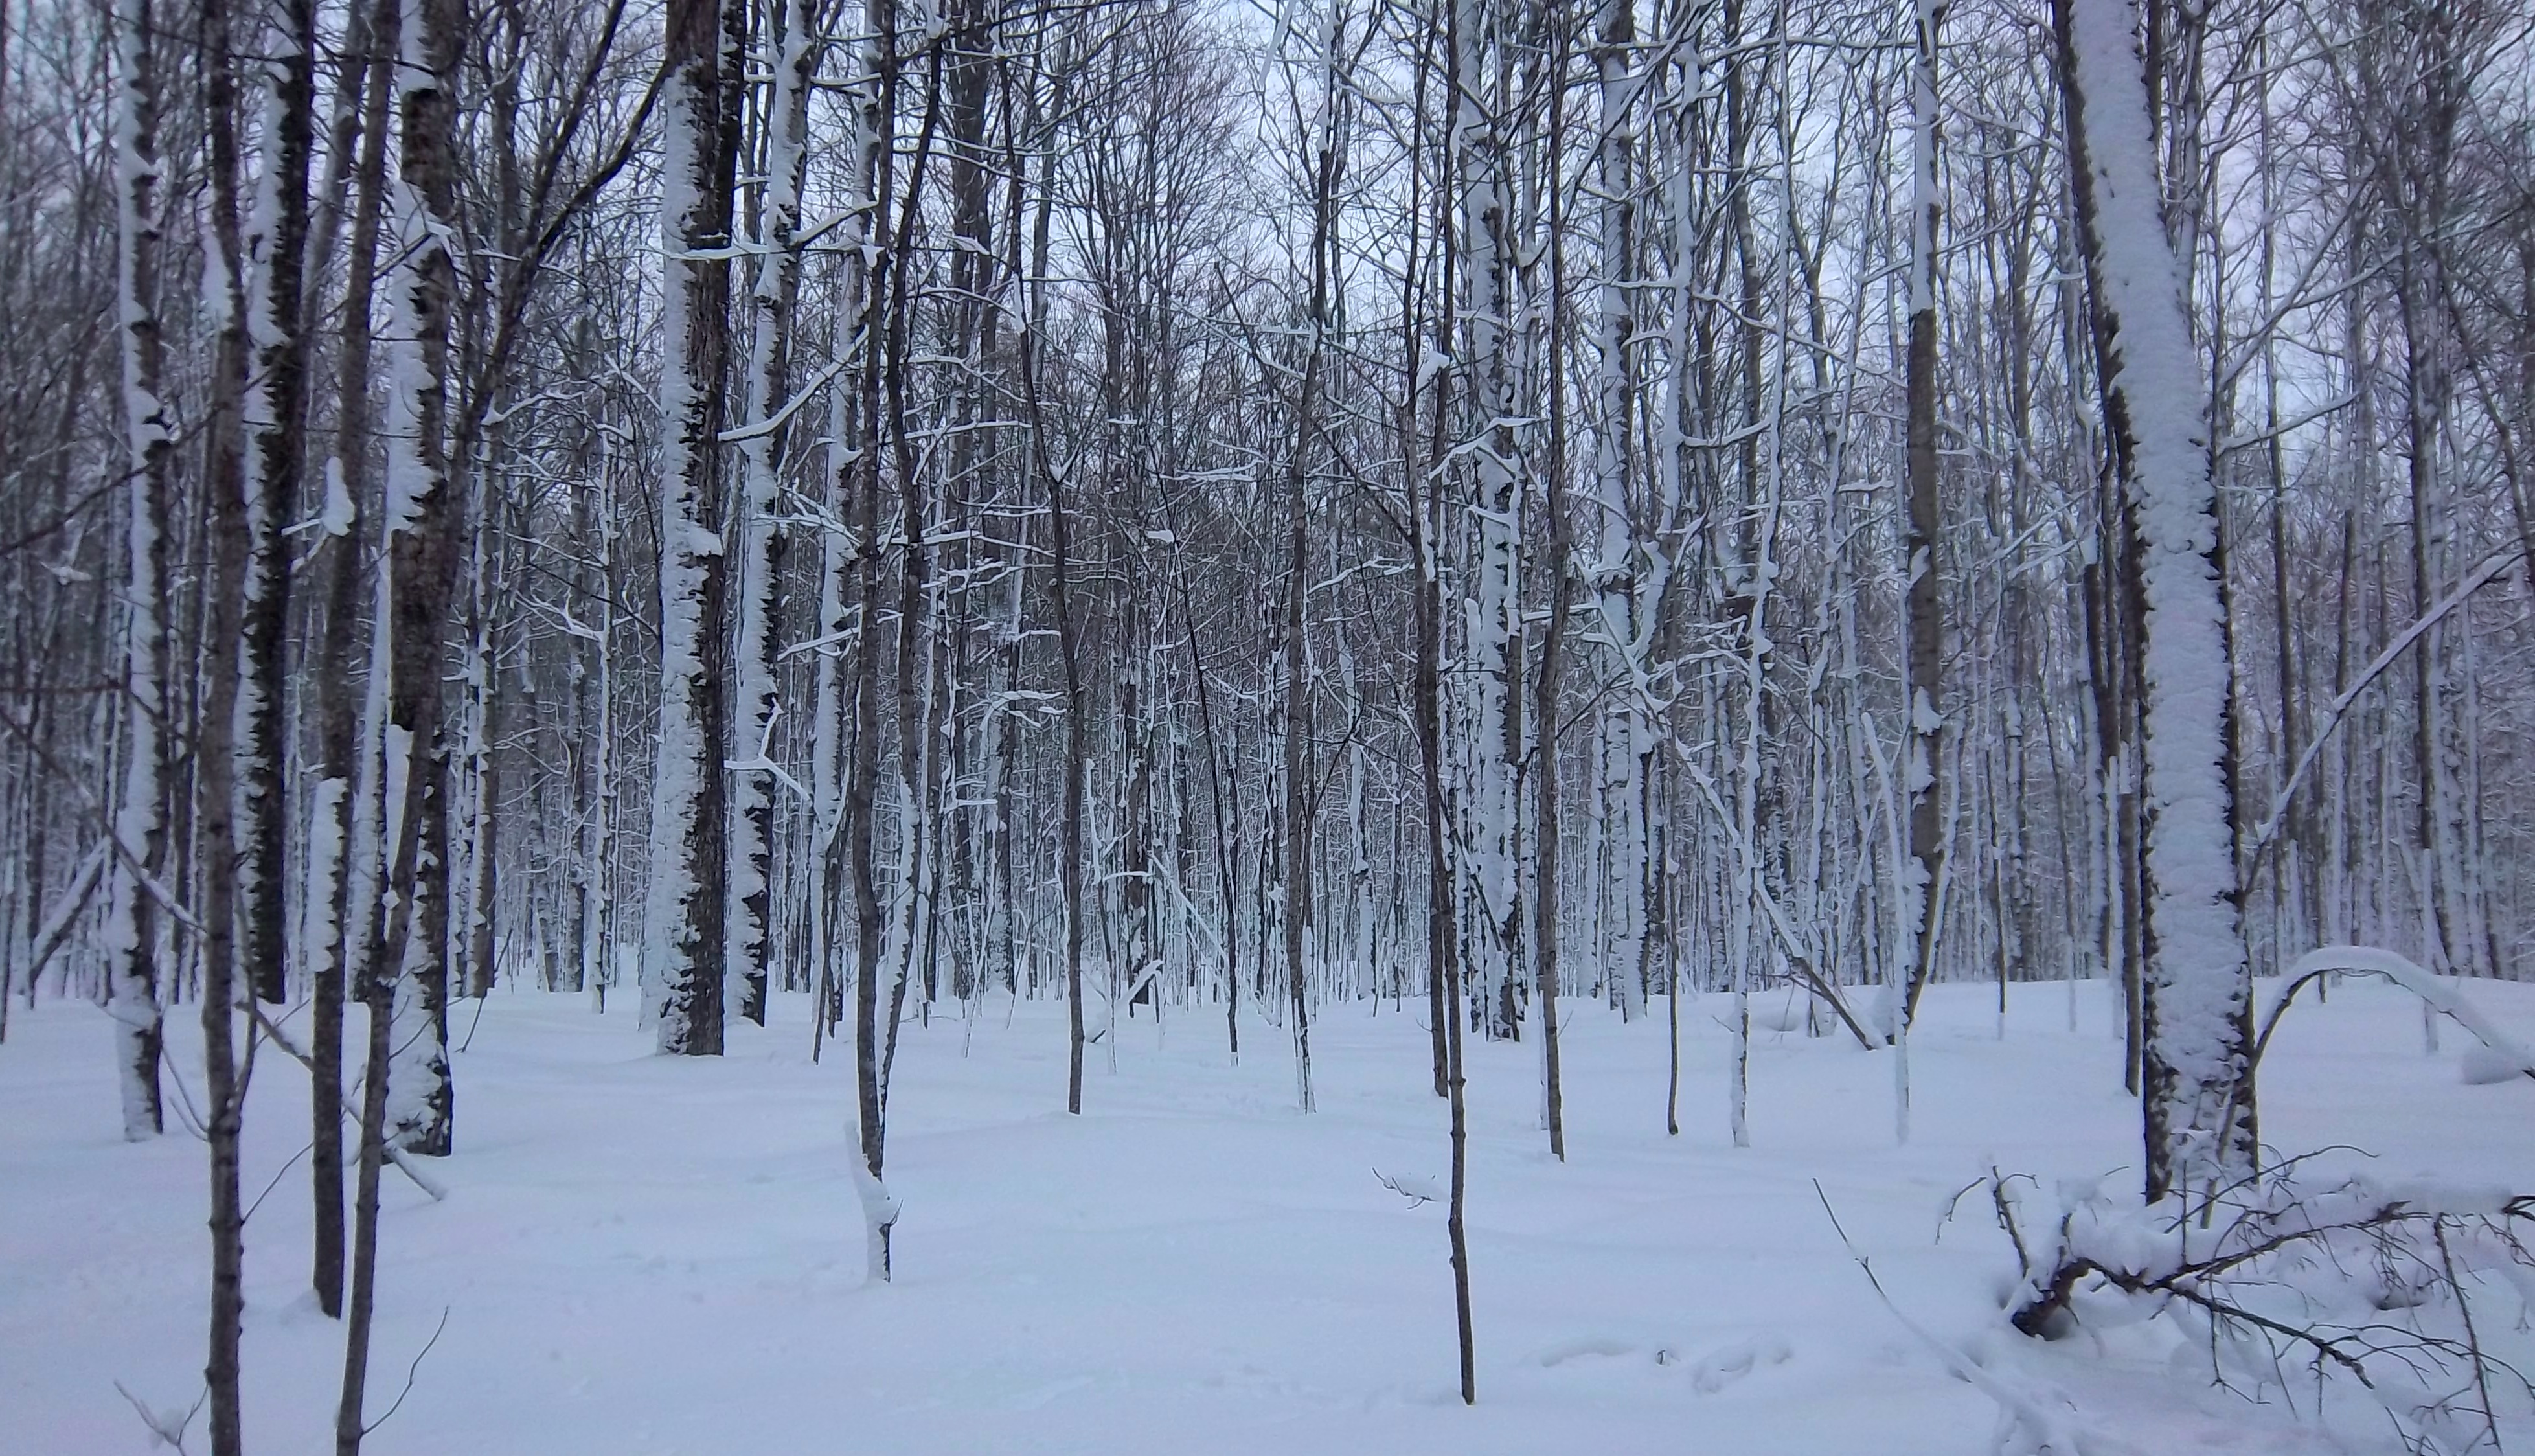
[{"x": 641, "y": 1254}]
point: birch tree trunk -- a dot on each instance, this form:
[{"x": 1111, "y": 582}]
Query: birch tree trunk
[
  {"x": 1630, "y": 583},
  {"x": 276, "y": 240},
  {"x": 331, "y": 937},
  {"x": 684, "y": 911},
  {"x": 140, "y": 816},
  {"x": 794, "y": 50},
  {"x": 1493, "y": 611},
  {"x": 421, "y": 524}
]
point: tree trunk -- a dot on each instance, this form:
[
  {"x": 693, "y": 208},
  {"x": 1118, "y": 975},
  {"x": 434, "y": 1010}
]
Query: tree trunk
[
  {"x": 225, "y": 484},
  {"x": 1922, "y": 683},
  {"x": 1545, "y": 685},
  {"x": 141, "y": 815},
  {"x": 275, "y": 460},
  {"x": 1443, "y": 936},
  {"x": 421, "y": 523},
  {"x": 684, "y": 914},
  {"x": 793, "y": 53},
  {"x": 2197, "y": 1084}
]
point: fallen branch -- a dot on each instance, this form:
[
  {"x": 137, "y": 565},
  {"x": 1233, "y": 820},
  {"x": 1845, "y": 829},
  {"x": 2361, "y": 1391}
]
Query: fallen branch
[
  {"x": 1417, "y": 1189},
  {"x": 2046, "y": 1432},
  {"x": 57, "y": 926},
  {"x": 166, "y": 1428},
  {"x": 2361, "y": 1281},
  {"x": 2482, "y": 575},
  {"x": 1799, "y": 958},
  {"x": 397, "y": 1155}
]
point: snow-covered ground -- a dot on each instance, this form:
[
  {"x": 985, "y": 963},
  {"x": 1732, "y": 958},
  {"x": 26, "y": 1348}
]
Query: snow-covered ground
[{"x": 641, "y": 1254}]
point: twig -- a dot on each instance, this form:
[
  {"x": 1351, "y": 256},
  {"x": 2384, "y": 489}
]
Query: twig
[
  {"x": 1415, "y": 1198},
  {"x": 409, "y": 1372},
  {"x": 291, "y": 1162},
  {"x": 477, "y": 1021},
  {"x": 2472, "y": 1336},
  {"x": 2049, "y": 1434},
  {"x": 190, "y": 1115},
  {"x": 159, "y": 1424},
  {"x": 396, "y": 1155}
]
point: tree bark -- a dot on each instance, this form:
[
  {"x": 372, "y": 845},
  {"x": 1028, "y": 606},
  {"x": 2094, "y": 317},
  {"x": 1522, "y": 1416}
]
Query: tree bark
[
  {"x": 215, "y": 768},
  {"x": 141, "y": 815},
  {"x": 2196, "y": 1089},
  {"x": 685, "y": 913},
  {"x": 277, "y": 454},
  {"x": 1923, "y": 686}
]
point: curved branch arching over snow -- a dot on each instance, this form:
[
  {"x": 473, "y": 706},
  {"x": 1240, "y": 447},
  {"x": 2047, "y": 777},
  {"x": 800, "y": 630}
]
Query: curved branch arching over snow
[{"x": 2441, "y": 996}]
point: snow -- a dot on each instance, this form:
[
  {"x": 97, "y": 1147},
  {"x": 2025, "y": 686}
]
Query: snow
[
  {"x": 651, "y": 1254},
  {"x": 339, "y": 512}
]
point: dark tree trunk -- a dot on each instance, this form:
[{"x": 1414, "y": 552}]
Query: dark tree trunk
[
  {"x": 278, "y": 445},
  {"x": 214, "y": 744}
]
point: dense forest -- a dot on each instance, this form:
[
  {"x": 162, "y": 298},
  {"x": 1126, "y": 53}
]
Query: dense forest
[{"x": 1239, "y": 514}]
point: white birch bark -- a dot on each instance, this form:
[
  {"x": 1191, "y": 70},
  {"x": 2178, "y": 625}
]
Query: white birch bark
[
  {"x": 1490, "y": 613},
  {"x": 794, "y": 52},
  {"x": 415, "y": 583},
  {"x": 685, "y": 902},
  {"x": 131, "y": 940},
  {"x": 1625, "y": 600},
  {"x": 274, "y": 406}
]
